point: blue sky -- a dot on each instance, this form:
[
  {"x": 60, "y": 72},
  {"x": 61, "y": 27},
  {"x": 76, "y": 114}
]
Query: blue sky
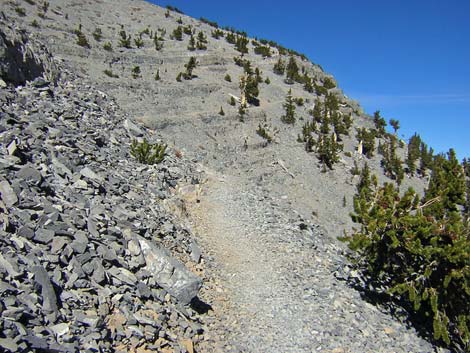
[{"x": 408, "y": 59}]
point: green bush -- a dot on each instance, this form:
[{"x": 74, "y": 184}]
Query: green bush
[
  {"x": 228, "y": 78},
  {"x": 136, "y": 72},
  {"x": 97, "y": 34},
  {"x": 263, "y": 132},
  {"x": 418, "y": 249},
  {"x": 148, "y": 153},
  {"x": 110, "y": 73},
  {"x": 108, "y": 46}
]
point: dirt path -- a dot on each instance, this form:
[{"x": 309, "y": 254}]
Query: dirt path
[{"x": 272, "y": 284}]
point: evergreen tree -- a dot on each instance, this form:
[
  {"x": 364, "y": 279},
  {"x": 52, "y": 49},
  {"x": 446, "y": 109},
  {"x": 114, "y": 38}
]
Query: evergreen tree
[
  {"x": 367, "y": 136},
  {"x": 317, "y": 111},
  {"x": 190, "y": 66},
  {"x": 289, "y": 106},
  {"x": 241, "y": 44},
  {"x": 427, "y": 157},
  {"x": 279, "y": 67},
  {"x": 380, "y": 124},
  {"x": 292, "y": 71},
  {"x": 192, "y": 43},
  {"x": 177, "y": 33},
  {"x": 201, "y": 41},
  {"x": 395, "y": 124},
  {"x": 413, "y": 153},
  {"x": 391, "y": 164},
  {"x": 447, "y": 185},
  {"x": 308, "y": 83},
  {"x": 328, "y": 150},
  {"x": 417, "y": 251}
]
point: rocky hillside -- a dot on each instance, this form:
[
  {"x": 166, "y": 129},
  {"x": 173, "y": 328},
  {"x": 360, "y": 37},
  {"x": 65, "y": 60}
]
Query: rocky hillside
[{"x": 97, "y": 252}]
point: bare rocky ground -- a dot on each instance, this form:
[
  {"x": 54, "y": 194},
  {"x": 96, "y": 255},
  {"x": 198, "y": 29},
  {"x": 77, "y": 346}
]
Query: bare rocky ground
[{"x": 274, "y": 273}]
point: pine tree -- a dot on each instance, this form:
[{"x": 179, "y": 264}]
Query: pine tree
[
  {"x": 380, "y": 124},
  {"x": 279, "y": 67},
  {"x": 367, "y": 136},
  {"x": 448, "y": 184},
  {"x": 190, "y": 66},
  {"x": 201, "y": 41},
  {"x": 292, "y": 71},
  {"x": 328, "y": 150},
  {"x": 289, "y": 106},
  {"x": 395, "y": 124},
  {"x": 192, "y": 43},
  {"x": 413, "y": 153}
]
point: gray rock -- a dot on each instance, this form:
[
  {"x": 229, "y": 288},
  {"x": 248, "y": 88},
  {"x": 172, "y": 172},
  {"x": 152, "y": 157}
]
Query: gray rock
[
  {"x": 123, "y": 275},
  {"x": 195, "y": 252},
  {"x": 30, "y": 174},
  {"x": 44, "y": 236},
  {"x": 9, "y": 197},
  {"x": 169, "y": 273},
  {"x": 9, "y": 344},
  {"x": 49, "y": 297}
]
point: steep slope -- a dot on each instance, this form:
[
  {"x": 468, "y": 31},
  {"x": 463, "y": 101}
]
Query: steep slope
[{"x": 280, "y": 179}]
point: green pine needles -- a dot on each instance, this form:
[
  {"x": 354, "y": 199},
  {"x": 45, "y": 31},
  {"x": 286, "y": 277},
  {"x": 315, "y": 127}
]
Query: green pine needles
[
  {"x": 419, "y": 248},
  {"x": 148, "y": 153}
]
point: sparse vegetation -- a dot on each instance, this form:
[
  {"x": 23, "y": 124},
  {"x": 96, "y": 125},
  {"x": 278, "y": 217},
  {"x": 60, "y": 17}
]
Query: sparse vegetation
[
  {"x": 97, "y": 34},
  {"x": 20, "y": 11},
  {"x": 81, "y": 38},
  {"x": 217, "y": 33},
  {"x": 110, "y": 73},
  {"x": 221, "y": 111},
  {"x": 136, "y": 72},
  {"x": 177, "y": 33},
  {"x": 264, "y": 133},
  {"x": 148, "y": 153},
  {"x": 124, "y": 40},
  {"x": 138, "y": 41},
  {"x": 35, "y": 23},
  {"x": 416, "y": 250},
  {"x": 228, "y": 78},
  {"x": 108, "y": 46},
  {"x": 289, "y": 116}
]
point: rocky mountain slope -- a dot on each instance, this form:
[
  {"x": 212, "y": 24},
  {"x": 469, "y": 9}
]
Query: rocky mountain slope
[{"x": 84, "y": 223}]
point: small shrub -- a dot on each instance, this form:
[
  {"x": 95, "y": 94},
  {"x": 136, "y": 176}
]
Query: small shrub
[
  {"x": 263, "y": 132},
  {"x": 125, "y": 40},
  {"x": 139, "y": 43},
  {"x": 217, "y": 34},
  {"x": 328, "y": 83},
  {"x": 45, "y": 6},
  {"x": 148, "y": 153},
  {"x": 232, "y": 102},
  {"x": 20, "y": 11},
  {"x": 299, "y": 101},
  {"x": 136, "y": 72},
  {"x": 31, "y": 2},
  {"x": 108, "y": 46},
  {"x": 110, "y": 73},
  {"x": 97, "y": 34},
  {"x": 267, "y": 81},
  {"x": 188, "y": 30},
  {"x": 179, "y": 21},
  {"x": 179, "y": 76},
  {"x": 228, "y": 78},
  {"x": 35, "y": 24},
  {"x": 81, "y": 38},
  {"x": 177, "y": 33},
  {"x": 157, "y": 76},
  {"x": 221, "y": 111},
  {"x": 263, "y": 51}
]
